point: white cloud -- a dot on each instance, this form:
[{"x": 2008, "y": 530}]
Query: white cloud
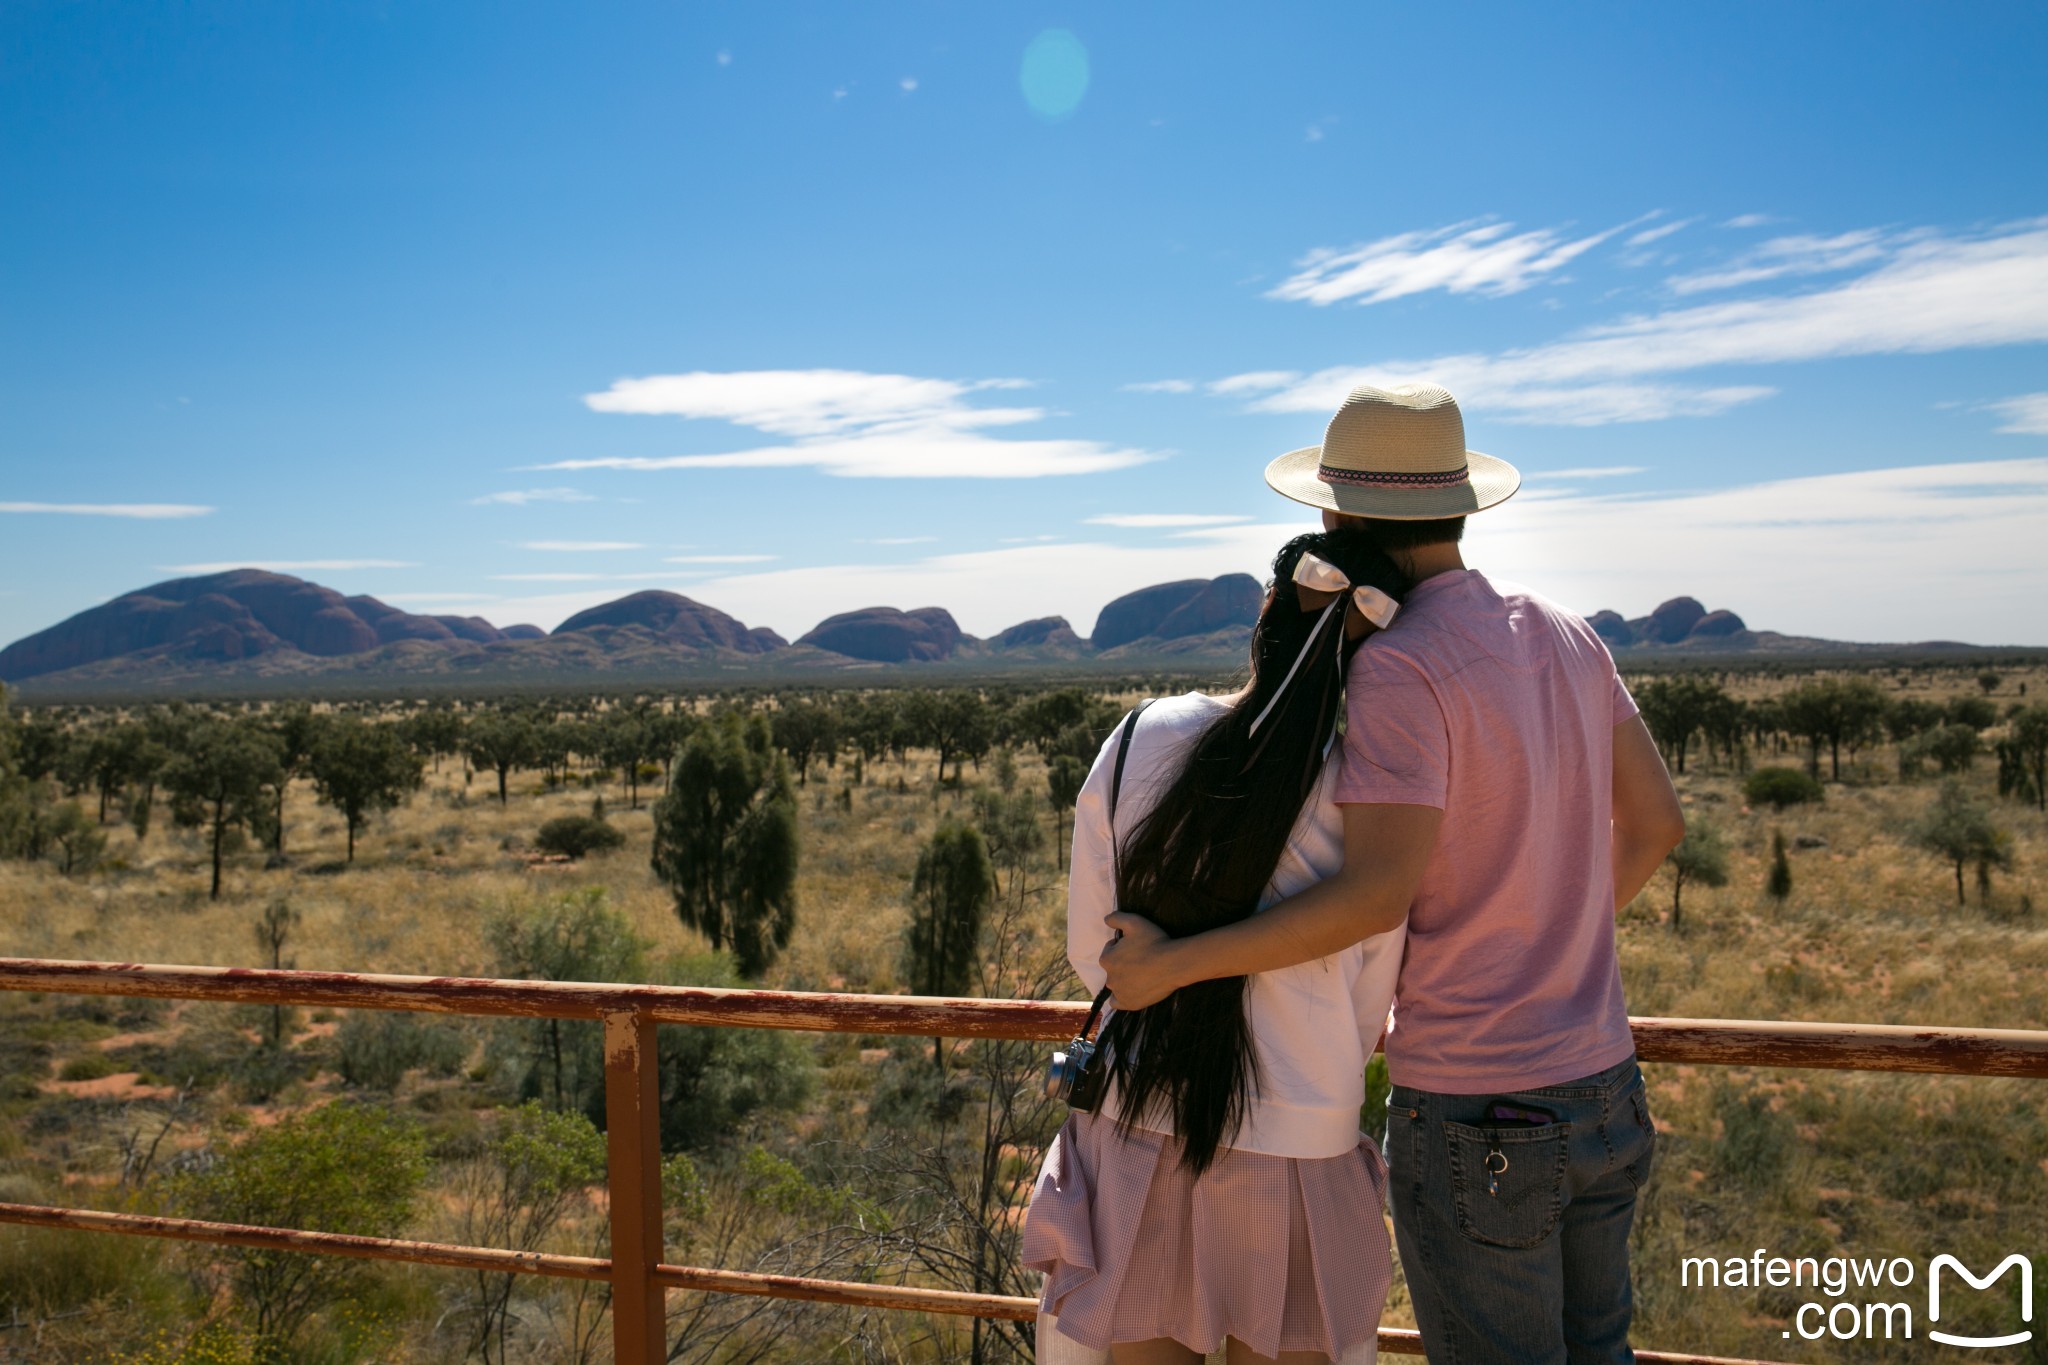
[
  {"x": 1255, "y": 381},
  {"x": 1614, "y": 471},
  {"x": 908, "y": 84},
  {"x": 1465, "y": 258},
  {"x": 899, "y": 540},
  {"x": 1658, "y": 234},
  {"x": 1895, "y": 555},
  {"x": 1934, "y": 293},
  {"x": 1750, "y": 220},
  {"x": 1156, "y": 520},
  {"x": 718, "y": 559},
  {"x": 2025, "y": 415},
  {"x": 140, "y": 511},
  {"x": 854, "y": 424},
  {"x": 520, "y": 497},
  {"x": 1931, "y": 552},
  {"x": 580, "y": 546},
  {"x": 1162, "y": 386},
  {"x": 666, "y": 576},
  {"x": 1801, "y": 255},
  {"x": 286, "y": 565}
]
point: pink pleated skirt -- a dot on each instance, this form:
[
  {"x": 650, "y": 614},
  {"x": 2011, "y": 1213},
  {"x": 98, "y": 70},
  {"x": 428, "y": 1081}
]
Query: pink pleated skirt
[{"x": 1283, "y": 1254}]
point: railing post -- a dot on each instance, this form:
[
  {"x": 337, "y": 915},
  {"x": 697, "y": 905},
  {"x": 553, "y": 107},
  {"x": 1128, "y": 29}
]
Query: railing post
[{"x": 632, "y": 1110}]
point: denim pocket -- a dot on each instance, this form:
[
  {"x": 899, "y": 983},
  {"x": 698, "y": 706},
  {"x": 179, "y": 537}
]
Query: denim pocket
[
  {"x": 1638, "y": 1168},
  {"x": 1508, "y": 1183}
]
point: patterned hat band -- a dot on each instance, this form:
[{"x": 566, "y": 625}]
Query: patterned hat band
[{"x": 1447, "y": 478}]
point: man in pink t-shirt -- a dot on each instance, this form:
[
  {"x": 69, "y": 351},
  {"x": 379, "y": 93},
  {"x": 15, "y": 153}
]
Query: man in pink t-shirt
[{"x": 1500, "y": 793}]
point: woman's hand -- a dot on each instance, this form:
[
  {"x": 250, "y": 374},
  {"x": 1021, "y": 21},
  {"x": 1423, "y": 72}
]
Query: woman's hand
[{"x": 1138, "y": 962}]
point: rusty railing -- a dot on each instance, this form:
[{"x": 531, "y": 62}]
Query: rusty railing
[{"x": 637, "y": 1274}]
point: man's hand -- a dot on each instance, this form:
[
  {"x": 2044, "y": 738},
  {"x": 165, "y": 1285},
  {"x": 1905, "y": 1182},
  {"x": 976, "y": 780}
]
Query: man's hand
[{"x": 1138, "y": 962}]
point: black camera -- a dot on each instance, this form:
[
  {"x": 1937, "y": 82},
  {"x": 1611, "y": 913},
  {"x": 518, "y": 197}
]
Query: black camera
[{"x": 1072, "y": 1074}]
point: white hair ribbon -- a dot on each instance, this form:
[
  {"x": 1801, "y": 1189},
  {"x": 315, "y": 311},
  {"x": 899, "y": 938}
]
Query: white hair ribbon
[{"x": 1316, "y": 575}]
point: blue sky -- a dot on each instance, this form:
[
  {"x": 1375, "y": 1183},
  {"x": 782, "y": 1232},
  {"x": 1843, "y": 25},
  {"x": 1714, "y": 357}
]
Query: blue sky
[{"x": 797, "y": 308}]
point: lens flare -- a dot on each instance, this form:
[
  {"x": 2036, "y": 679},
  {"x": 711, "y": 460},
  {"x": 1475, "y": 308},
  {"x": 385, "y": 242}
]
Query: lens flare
[{"x": 1054, "y": 75}]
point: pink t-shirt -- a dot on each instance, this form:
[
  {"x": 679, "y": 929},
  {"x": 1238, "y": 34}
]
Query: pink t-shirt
[{"x": 1498, "y": 708}]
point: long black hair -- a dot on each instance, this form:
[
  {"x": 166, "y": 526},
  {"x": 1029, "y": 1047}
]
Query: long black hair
[{"x": 1202, "y": 856}]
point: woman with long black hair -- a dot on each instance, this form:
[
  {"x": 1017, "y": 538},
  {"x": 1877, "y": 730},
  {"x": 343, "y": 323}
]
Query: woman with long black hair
[{"x": 1221, "y": 1191}]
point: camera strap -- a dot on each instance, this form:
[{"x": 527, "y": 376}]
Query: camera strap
[{"x": 1116, "y": 783}]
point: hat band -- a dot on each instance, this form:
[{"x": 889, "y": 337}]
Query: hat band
[{"x": 1374, "y": 478}]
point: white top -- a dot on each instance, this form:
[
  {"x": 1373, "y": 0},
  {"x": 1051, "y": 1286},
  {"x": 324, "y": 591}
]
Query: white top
[{"x": 1313, "y": 1025}]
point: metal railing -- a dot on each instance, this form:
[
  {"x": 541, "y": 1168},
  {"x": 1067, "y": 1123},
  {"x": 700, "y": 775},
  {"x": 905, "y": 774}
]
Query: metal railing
[{"x": 635, "y": 1270}]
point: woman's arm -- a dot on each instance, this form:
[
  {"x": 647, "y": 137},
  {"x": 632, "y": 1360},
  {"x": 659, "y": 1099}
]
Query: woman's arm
[{"x": 1386, "y": 848}]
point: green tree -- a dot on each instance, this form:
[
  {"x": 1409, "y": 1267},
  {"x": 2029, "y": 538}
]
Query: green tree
[
  {"x": 219, "y": 779},
  {"x": 274, "y": 928},
  {"x": 434, "y": 732},
  {"x": 1701, "y": 856},
  {"x": 725, "y": 841},
  {"x": 1064, "y": 775},
  {"x": 298, "y": 730},
  {"x": 625, "y": 740},
  {"x": 340, "y": 1168},
  {"x": 362, "y": 768},
  {"x": 574, "y": 937},
  {"x": 1011, "y": 829},
  {"x": 1959, "y": 830},
  {"x": 536, "y": 1166},
  {"x": 79, "y": 841},
  {"x": 1779, "y": 885},
  {"x": 949, "y": 899},
  {"x": 499, "y": 741},
  {"x": 957, "y": 722},
  {"x": 2023, "y": 757},
  {"x": 109, "y": 758},
  {"x": 1675, "y": 710},
  {"x": 806, "y": 732},
  {"x": 1834, "y": 713}
]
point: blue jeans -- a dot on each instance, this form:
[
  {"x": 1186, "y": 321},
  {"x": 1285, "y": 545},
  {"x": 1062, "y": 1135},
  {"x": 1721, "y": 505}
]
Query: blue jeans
[{"x": 1514, "y": 1241}]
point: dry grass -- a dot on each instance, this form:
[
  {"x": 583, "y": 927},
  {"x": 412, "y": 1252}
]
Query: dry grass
[{"x": 1862, "y": 1164}]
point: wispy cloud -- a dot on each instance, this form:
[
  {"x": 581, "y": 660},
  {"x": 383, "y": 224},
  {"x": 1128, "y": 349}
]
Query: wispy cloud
[
  {"x": 140, "y": 511},
  {"x": 1956, "y": 548},
  {"x": 1658, "y": 233},
  {"x": 287, "y": 565},
  {"x": 1145, "y": 521},
  {"x": 855, "y": 424},
  {"x": 1750, "y": 220},
  {"x": 1161, "y": 386},
  {"x": 1465, "y": 258},
  {"x": 2025, "y": 415},
  {"x": 1612, "y": 471},
  {"x": 520, "y": 497},
  {"x": 580, "y": 546},
  {"x": 1933, "y": 293},
  {"x": 899, "y": 540},
  {"x": 1801, "y": 255},
  {"x": 667, "y": 576},
  {"x": 718, "y": 559}
]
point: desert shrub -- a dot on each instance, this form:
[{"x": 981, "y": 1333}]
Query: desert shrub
[
  {"x": 1780, "y": 787},
  {"x": 574, "y": 836},
  {"x": 1757, "y": 1141},
  {"x": 714, "y": 1079},
  {"x": 46, "y": 1272},
  {"x": 90, "y": 1067},
  {"x": 340, "y": 1168},
  {"x": 375, "y": 1049}
]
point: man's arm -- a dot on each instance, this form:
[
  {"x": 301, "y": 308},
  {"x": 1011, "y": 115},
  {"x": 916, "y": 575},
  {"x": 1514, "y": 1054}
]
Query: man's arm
[
  {"x": 1647, "y": 820},
  {"x": 1386, "y": 849}
]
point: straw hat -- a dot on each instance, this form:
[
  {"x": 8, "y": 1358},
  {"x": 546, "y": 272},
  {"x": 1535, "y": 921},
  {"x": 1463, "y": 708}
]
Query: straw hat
[{"x": 1397, "y": 454}]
